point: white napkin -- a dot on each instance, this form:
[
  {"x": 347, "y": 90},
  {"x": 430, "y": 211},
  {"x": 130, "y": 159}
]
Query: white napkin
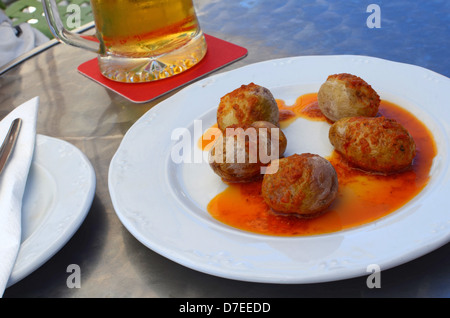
[{"x": 12, "y": 185}]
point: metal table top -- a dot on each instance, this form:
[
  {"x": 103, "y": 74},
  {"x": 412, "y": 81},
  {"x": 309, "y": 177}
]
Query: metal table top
[{"x": 76, "y": 109}]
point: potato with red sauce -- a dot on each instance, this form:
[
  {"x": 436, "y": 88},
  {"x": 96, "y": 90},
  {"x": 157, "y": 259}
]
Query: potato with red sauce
[
  {"x": 305, "y": 185},
  {"x": 375, "y": 144},
  {"x": 245, "y": 105},
  {"x": 237, "y": 156},
  {"x": 346, "y": 95}
]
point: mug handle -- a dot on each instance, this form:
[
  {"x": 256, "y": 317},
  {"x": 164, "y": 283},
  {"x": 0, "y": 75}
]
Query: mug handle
[{"x": 62, "y": 34}]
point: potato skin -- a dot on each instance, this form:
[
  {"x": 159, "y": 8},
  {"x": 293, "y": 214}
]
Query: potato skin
[
  {"x": 375, "y": 144},
  {"x": 245, "y": 105},
  {"x": 236, "y": 171},
  {"x": 304, "y": 186},
  {"x": 346, "y": 95}
]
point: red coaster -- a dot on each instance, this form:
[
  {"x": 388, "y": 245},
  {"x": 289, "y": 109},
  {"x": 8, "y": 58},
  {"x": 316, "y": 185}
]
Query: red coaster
[{"x": 220, "y": 53}]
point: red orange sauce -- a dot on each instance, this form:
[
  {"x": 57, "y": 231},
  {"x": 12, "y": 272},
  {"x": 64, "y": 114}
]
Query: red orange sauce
[{"x": 362, "y": 197}]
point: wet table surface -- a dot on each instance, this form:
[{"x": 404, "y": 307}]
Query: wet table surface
[{"x": 73, "y": 108}]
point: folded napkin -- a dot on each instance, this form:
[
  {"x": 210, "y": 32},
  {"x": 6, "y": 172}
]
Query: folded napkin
[{"x": 12, "y": 185}]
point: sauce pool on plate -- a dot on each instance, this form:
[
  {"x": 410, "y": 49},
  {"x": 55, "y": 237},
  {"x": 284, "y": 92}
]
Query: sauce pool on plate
[{"x": 362, "y": 197}]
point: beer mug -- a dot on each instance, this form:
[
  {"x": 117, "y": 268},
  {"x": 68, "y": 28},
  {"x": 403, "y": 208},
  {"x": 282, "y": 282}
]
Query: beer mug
[{"x": 139, "y": 40}]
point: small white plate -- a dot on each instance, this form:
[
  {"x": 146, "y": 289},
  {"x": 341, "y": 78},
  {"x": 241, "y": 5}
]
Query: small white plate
[
  {"x": 59, "y": 192},
  {"x": 163, "y": 204}
]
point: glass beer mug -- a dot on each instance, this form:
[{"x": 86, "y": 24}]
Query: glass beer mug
[{"x": 139, "y": 40}]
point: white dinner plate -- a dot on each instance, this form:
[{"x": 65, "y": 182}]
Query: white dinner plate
[
  {"x": 59, "y": 192},
  {"x": 163, "y": 203}
]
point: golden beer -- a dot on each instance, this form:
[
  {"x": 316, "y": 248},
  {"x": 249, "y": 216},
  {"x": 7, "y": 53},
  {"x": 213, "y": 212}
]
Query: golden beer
[{"x": 144, "y": 40}]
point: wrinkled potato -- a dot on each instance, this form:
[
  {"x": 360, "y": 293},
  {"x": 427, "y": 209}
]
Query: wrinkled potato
[
  {"x": 245, "y": 105},
  {"x": 304, "y": 186},
  {"x": 375, "y": 144},
  {"x": 346, "y": 95},
  {"x": 236, "y": 155}
]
